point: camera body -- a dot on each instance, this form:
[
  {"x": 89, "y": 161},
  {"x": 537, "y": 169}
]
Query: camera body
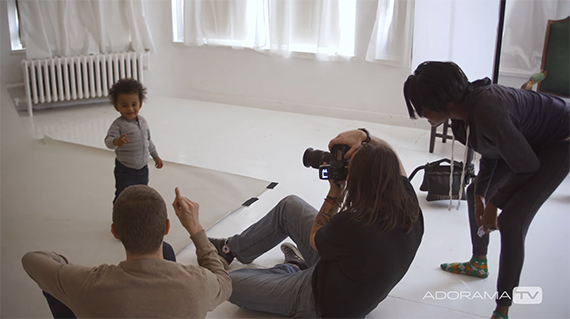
[{"x": 336, "y": 167}]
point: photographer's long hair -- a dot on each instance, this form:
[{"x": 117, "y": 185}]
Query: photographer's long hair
[{"x": 375, "y": 193}]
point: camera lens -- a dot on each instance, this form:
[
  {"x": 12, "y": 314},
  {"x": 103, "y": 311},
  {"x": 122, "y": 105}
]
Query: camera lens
[{"x": 315, "y": 158}]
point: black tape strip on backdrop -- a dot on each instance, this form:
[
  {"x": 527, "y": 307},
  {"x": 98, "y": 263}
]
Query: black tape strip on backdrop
[{"x": 250, "y": 201}]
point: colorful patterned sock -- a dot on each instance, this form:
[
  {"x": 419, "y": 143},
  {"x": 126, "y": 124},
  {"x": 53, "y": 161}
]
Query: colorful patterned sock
[
  {"x": 475, "y": 267},
  {"x": 497, "y": 315}
]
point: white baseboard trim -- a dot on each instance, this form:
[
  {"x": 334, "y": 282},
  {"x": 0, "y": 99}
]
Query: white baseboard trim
[{"x": 312, "y": 109}]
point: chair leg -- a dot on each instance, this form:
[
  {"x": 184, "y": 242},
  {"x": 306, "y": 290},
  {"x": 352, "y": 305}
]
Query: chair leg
[
  {"x": 445, "y": 127},
  {"x": 432, "y": 138}
]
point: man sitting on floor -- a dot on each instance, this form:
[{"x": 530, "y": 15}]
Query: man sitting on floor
[{"x": 144, "y": 285}]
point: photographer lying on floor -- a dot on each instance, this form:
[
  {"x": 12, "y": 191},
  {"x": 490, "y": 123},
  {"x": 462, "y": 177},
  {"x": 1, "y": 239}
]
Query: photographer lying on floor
[
  {"x": 145, "y": 285},
  {"x": 350, "y": 254}
]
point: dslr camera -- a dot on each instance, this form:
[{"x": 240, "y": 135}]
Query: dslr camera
[{"x": 336, "y": 167}]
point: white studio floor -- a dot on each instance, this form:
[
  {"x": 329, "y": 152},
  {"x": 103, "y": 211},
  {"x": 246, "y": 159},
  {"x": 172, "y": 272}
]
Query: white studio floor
[{"x": 262, "y": 145}]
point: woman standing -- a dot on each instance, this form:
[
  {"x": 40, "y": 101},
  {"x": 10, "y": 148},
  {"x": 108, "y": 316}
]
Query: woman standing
[{"x": 523, "y": 137}]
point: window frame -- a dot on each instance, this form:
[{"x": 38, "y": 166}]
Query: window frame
[{"x": 16, "y": 45}]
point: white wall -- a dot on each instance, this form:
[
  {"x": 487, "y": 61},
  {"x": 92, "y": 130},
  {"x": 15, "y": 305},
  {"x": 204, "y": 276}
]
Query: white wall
[
  {"x": 460, "y": 31},
  {"x": 356, "y": 89},
  {"x": 351, "y": 89}
]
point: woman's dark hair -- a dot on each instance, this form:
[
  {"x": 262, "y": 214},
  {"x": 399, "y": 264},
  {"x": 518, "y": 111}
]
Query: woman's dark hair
[
  {"x": 433, "y": 85},
  {"x": 375, "y": 192},
  {"x": 127, "y": 86}
]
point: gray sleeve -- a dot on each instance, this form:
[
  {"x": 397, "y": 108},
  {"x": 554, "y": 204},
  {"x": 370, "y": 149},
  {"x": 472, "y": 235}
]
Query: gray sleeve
[
  {"x": 151, "y": 147},
  {"x": 113, "y": 132}
]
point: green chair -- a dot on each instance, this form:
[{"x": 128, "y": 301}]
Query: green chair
[{"x": 555, "y": 67}]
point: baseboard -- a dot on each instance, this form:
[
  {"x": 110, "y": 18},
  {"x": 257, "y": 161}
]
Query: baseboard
[{"x": 312, "y": 109}]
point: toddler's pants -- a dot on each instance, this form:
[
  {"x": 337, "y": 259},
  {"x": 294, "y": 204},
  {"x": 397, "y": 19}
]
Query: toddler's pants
[{"x": 125, "y": 177}]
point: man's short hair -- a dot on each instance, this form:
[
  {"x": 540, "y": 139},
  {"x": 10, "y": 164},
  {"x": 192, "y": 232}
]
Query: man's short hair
[{"x": 139, "y": 218}]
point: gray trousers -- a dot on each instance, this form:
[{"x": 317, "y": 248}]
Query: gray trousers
[{"x": 283, "y": 289}]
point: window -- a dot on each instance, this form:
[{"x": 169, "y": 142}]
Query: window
[
  {"x": 322, "y": 27},
  {"x": 14, "y": 25}
]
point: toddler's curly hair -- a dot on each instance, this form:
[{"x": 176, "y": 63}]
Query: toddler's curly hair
[{"x": 127, "y": 86}]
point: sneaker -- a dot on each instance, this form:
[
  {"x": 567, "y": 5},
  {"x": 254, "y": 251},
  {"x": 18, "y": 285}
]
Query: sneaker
[
  {"x": 293, "y": 256},
  {"x": 223, "y": 248}
]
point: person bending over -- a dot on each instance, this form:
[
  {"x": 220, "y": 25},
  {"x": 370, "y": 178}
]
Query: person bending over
[
  {"x": 144, "y": 285},
  {"x": 344, "y": 264},
  {"x": 522, "y": 137}
]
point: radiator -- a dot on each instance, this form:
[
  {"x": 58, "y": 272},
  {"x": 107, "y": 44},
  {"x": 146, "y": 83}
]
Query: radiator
[{"x": 80, "y": 77}]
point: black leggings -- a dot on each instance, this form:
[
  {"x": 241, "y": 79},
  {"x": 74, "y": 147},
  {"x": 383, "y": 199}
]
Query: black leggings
[
  {"x": 518, "y": 212},
  {"x": 59, "y": 310}
]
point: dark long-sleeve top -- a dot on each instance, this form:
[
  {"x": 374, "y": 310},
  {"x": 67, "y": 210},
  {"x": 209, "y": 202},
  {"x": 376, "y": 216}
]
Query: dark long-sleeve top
[
  {"x": 360, "y": 265},
  {"x": 135, "y": 153},
  {"x": 512, "y": 125}
]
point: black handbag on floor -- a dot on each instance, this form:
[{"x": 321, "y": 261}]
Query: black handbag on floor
[{"x": 436, "y": 179}]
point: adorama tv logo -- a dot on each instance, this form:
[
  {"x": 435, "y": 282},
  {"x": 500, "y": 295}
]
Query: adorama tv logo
[{"x": 527, "y": 295}]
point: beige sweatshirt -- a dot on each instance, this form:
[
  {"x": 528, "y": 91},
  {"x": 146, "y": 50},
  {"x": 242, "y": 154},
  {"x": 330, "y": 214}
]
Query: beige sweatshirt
[{"x": 148, "y": 288}]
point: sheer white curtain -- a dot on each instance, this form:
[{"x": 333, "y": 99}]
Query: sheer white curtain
[
  {"x": 70, "y": 27},
  {"x": 391, "y": 40},
  {"x": 322, "y": 27},
  {"x": 224, "y": 22},
  {"x": 525, "y": 28}
]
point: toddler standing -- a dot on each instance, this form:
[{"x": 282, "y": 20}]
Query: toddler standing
[{"x": 129, "y": 136}]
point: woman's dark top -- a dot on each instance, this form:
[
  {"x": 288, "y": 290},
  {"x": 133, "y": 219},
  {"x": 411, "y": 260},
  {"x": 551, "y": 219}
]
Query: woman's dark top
[
  {"x": 512, "y": 125},
  {"x": 359, "y": 266}
]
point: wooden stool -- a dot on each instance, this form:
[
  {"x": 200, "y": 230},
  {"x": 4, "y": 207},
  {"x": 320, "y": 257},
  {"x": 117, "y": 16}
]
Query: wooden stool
[{"x": 444, "y": 136}]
